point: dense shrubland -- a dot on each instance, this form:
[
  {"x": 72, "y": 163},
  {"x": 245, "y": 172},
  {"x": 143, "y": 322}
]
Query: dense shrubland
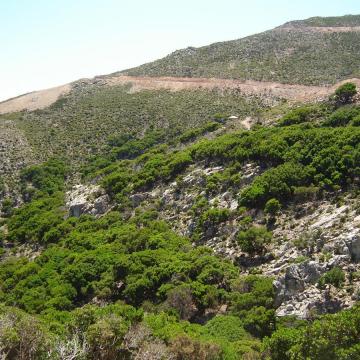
[
  {"x": 126, "y": 286},
  {"x": 295, "y": 159},
  {"x": 141, "y": 273},
  {"x": 89, "y": 118}
]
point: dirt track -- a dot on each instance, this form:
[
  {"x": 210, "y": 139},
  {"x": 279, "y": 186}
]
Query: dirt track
[
  {"x": 301, "y": 93},
  {"x": 293, "y": 93}
]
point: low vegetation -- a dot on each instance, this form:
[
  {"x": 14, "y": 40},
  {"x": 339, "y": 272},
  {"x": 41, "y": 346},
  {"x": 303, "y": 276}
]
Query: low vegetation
[
  {"x": 89, "y": 118},
  {"x": 126, "y": 286}
]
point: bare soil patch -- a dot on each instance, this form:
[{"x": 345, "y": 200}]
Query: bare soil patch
[
  {"x": 34, "y": 100},
  {"x": 291, "y": 92}
]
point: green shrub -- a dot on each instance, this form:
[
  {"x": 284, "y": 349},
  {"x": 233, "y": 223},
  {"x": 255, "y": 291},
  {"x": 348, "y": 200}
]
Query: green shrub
[
  {"x": 47, "y": 178},
  {"x": 254, "y": 240},
  {"x": 356, "y": 121},
  {"x": 7, "y": 207},
  {"x": 251, "y": 291},
  {"x": 345, "y": 93},
  {"x": 330, "y": 337},
  {"x": 260, "y": 321},
  {"x": 192, "y": 134},
  {"x": 342, "y": 116},
  {"x": 277, "y": 183},
  {"x": 227, "y": 327},
  {"x": 300, "y": 115},
  {"x": 35, "y": 219},
  {"x": 24, "y": 336},
  {"x": 2, "y": 186},
  {"x": 277, "y": 347},
  {"x": 214, "y": 216},
  {"x": 335, "y": 277},
  {"x": 306, "y": 193},
  {"x": 272, "y": 207}
]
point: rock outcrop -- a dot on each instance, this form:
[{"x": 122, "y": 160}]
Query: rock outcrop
[{"x": 87, "y": 199}]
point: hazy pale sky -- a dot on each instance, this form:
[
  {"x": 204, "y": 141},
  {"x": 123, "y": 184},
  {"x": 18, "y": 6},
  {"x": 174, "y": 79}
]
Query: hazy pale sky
[{"x": 45, "y": 43}]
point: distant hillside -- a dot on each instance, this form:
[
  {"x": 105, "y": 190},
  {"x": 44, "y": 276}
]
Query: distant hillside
[
  {"x": 316, "y": 51},
  {"x": 79, "y": 124},
  {"x": 76, "y": 120}
]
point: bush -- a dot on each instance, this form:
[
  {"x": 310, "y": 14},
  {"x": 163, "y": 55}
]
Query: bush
[
  {"x": 334, "y": 277},
  {"x": 342, "y": 116},
  {"x": 254, "y": 240},
  {"x": 23, "y": 336},
  {"x": 277, "y": 347},
  {"x": 214, "y": 216},
  {"x": 251, "y": 291},
  {"x": 356, "y": 121},
  {"x": 7, "y": 207},
  {"x": 330, "y": 337},
  {"x": 184, "y": 347},
  {"x": 277, "y": 183},
  {"x": 272, "y": 207},
  {"x": 192, "y": 134},
  {"x": 260, "y": 321},
  {"x": 227, "y": 327},
  {"x": 345, "y": 93},
  {"x": 47, "y": 178},
  {"x": 305, "y": 193},
  {"x": 105, "y": 337},
  {"x": 2, "y": 186},
  {"x": 182, "y": 301},
  {"x": 300, "y": 115}
]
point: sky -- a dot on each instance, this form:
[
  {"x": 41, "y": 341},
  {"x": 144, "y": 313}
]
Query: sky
[{"x": 45, "y": 43}]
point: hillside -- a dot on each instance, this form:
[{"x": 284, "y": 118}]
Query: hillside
[
  {"x": 78, "y": 123},
  {"x": 213, "y": 244},
  {"x": 316, "y": 51},
  {"x": 174, "y": 217}
]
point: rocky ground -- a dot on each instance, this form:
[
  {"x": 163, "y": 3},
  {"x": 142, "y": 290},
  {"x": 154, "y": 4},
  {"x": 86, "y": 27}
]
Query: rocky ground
[{"x": 309, "y": 239}]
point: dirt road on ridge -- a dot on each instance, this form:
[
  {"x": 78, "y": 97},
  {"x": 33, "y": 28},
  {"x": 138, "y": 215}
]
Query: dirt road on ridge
[{"x": 291, "y": 92}]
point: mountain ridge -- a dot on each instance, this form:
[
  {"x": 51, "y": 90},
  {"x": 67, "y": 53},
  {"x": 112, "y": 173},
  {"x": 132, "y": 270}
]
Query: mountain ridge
[
  {"x": 290, "y": 53},
  {"x": 346, "y": 23}
]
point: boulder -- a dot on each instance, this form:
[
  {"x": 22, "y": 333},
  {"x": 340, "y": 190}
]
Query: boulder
[
  {"x": 137, "y": 199},
  {"x": 87, "y": 199},
  {"x": 293, "y": 280},
  {"x": 353, "y": 243},
  {"x": 310, "y": 271},
  {"x": 297, "y": 277}
]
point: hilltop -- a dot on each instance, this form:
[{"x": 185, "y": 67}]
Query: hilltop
[
  {"x": 316, "y": 51},
  {"x": 331, "y": 21}
]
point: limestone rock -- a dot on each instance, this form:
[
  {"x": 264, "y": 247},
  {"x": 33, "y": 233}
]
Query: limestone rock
[
  {"x": 353, "y": 243},
  {"x": 87, "y": 199}
]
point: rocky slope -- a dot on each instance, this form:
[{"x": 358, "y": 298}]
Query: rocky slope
[{"x": 309, "y": 240}]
